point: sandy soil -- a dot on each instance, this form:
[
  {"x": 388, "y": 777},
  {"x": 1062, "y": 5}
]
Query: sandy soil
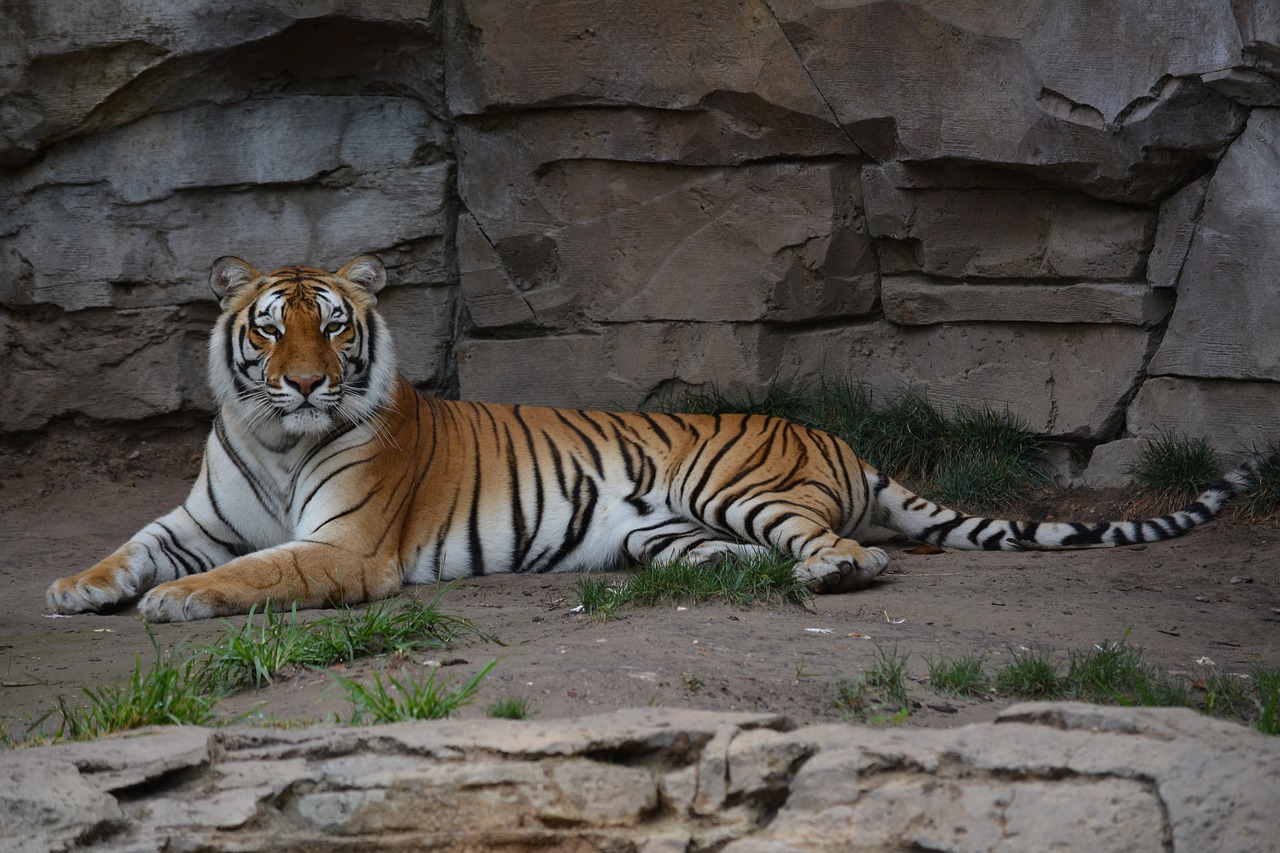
[{"x": 73, "y": 495}]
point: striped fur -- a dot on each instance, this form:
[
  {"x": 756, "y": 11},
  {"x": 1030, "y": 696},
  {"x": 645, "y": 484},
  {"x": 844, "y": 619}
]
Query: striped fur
[{"x": 328, "y": 478}]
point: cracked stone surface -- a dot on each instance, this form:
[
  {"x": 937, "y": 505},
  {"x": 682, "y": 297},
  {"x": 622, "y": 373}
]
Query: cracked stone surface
[{"x": 1043, "y": 776}]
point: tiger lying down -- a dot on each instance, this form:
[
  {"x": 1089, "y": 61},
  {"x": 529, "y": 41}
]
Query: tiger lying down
[{"x": 328, "y": 478}]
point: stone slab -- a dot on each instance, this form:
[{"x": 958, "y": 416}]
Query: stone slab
[
  {"x": 1233, "y": 417},
  {"x": 1110, "y": 464},
  {"x": 919, "y": 301},
  {"x": 1179, "y": 216},
  {"x": 1224, "y": 325},
  {"x": 1062, "y": 380},
  {"x": 577, "y": 242},
  {"x": 621, "y": 367},
  {"x": 912, "y": 81},
  {"x": 665, "y": 54},
  {"x": 990, "y": 233}
]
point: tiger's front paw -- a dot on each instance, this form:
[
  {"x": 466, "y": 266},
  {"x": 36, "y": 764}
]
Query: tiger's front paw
[
  {"x": 91, "y": 591},
  {"x": 180, "y": 601}
]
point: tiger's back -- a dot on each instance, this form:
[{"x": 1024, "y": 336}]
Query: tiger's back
[{"x": 328, "y": 478}]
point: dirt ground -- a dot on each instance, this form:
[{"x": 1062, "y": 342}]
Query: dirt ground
[{"x": 71, "y": 496}]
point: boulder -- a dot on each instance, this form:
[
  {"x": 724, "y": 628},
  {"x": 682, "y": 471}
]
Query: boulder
[{"x": 619, "y": 367}]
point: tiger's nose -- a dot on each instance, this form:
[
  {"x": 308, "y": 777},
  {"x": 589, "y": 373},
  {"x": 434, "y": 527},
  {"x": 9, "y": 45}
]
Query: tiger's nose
[{"x": 304, "y": 384}]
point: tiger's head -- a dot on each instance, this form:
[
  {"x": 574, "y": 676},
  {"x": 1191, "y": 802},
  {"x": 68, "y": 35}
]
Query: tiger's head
[{"x": 300, "y": 349}]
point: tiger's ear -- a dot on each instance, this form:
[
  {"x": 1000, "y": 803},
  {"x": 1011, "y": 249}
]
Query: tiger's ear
[
  {"x": 228, "y": 275},
  {"x": 366, "y": 271}
]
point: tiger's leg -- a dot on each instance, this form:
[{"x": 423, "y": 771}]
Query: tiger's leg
[
  {"x": 716, "y": 551},
  {"x": 665, "y": 541},
  {"x": 174, "y": 545},
  {"x": 310, "y": 574}
]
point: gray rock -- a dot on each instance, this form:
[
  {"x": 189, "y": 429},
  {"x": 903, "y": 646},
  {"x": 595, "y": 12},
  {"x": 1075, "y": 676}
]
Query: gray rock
[
  {"x": 932, "y": 81},
  {"x": 999, "y": 233},
  {"x": 1178, "y": 218},
  {"x": 617, "y": 367},
  {"x": 1233, "y": 416},
  {"x": 1110, "y": 464},
  {"x": 667, "y": 55},
  {"x": 1042, "y": 776},
  {"x": 1065, "y": 380},
  {"x": 580, "y": 242},
  {"x": 1224, "y": 325}
]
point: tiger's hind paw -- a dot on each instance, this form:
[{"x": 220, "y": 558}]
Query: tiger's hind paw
[{"x": 841, "y": 572}]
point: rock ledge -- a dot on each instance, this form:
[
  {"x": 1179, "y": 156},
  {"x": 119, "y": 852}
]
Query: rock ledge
[{"x": 1042, "y": 776}]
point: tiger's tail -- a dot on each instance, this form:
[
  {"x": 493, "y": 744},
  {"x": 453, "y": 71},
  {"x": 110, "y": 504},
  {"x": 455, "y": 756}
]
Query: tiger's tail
[{"x": 901, "y": 510}]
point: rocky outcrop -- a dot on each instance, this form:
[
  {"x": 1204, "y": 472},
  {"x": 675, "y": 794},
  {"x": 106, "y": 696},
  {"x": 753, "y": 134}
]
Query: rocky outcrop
[
  {"x": 1042, "y": 777},
  {"x": 1069, "y": 210}
]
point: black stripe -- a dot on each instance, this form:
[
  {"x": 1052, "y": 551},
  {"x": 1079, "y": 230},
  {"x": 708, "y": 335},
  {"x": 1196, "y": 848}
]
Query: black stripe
[
  {"x": 709, "y": 469},
  {"x": 590, "y": 445},
  {"x": 1085, "y": 535},
  {"x": 217, "y": 510},
  {"x": 179, "y": 554},
  {"x": 978, "y": 528},
  {"x": 653, "y": 425},
  {"x": 302, "y": 506},
  {"x": 938, "y": 533},
  {"x": 230, "y": 547},
  {"x": 994, "y": 541},
  {"x": 353, "y": 508},
  {"x": 538, "y": 491},
  {"x": 473, "y": 522},
  {"x": 265, "y": 498},
  {"x": 521, "y": 540}
]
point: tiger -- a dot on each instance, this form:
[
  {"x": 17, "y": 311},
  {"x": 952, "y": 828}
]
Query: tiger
[{"x": 328, "y": 479}]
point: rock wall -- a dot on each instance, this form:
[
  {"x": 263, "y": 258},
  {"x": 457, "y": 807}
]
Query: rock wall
[
  {"x": 1069, "y": 209},
  {"x": 1042, "y": 777}
]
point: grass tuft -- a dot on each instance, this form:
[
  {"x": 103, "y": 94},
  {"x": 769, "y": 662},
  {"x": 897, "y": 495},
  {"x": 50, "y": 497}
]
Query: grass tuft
[
  {"x": 511, "y": 708},
  {"x": 173, "y": 692},
  {"x": 1267, "y": 684},
  {"x": 167, "y": 693},
  {"x": 879, "y": 695},
  {"x": 1173, "y": 469},
  {"x": 1263, "y": 498},
  {"x": 399, "y": 699},
  {"x": 1030, "y": 675},
  {"x": 1117, "y": 673},
  {"x": 1225, "y": 693},
  {"x": 961, "y": 677},
  {"x": 737, "y": 580},
  {"x": 252, "y": 654}
]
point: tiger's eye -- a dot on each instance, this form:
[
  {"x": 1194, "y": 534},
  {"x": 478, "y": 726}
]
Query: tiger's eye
[
  {"x": 334, "y": 328},
  {"x": 271, "y": 330}
]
